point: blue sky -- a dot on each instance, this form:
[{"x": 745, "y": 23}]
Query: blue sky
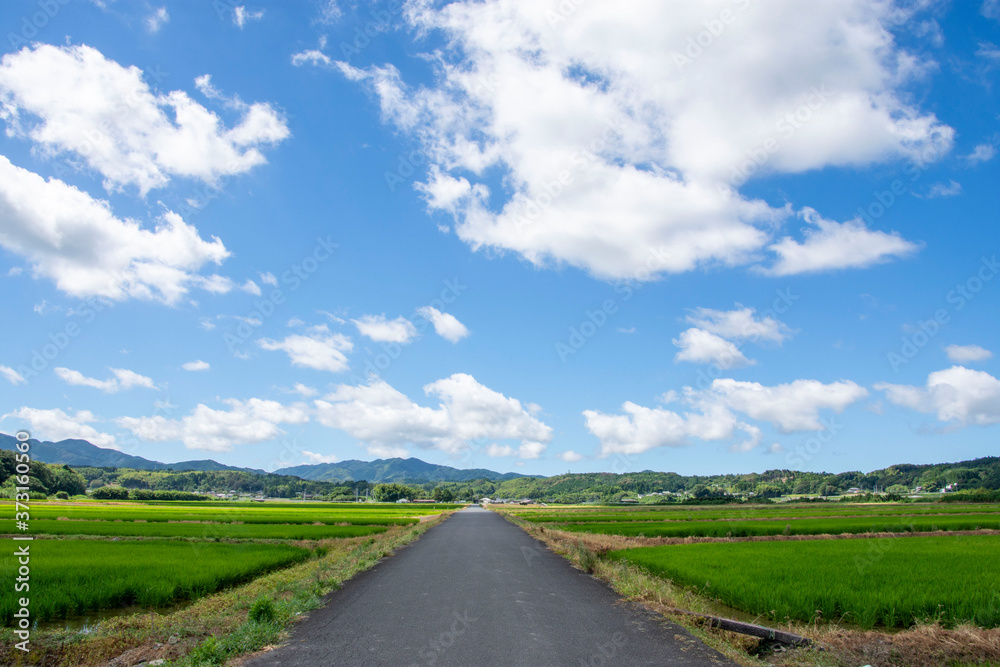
[{"x": 701, "y": 237}]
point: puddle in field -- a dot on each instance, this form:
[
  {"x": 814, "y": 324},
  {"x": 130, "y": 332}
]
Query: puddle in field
[{"x": 85, "y": 622}]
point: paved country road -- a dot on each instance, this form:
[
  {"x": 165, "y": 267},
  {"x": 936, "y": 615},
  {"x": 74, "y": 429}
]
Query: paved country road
[{"x": 477, "y": 590}]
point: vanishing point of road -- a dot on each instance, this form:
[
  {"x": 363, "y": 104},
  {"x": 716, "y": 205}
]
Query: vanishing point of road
[{"x": 477, "y": 590}]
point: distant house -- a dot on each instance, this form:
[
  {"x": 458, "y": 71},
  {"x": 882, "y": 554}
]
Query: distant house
[
  {"x": 403, "y": 500},
  {"x": 854, "y": 489},
  {"x": 485, "y": 500}
]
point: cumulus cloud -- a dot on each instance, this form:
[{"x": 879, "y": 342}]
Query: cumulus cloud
[
  {"x": 71, "y": 99},
  {"x": 569, "y": 456},
  {"x": 958, "y": 394},
  {"x": 12, "y": 375},
  {"x": 122, "y": 380},
  {"x": 78, "y": 243},
  {"x": 712, "y": 415},
  {"x": 701, "y": 347},
  {"x": 198, "y": 365},
  {"x": 56, "y": 425},
  {"x": 830, "y": 246},
  {"x": 445, "y": 325},
  {"x": 319, "y": 349},
  {"x": 244, "y": 422},
  {"x": 963, "y": 354},
  {"x": 788, "y": 407},
  {"x": 739, "y": 324},
  {"x": 381, "y": 416},
  {"x": 611, "y": 144},
  {"x": 382, "y": 330}
]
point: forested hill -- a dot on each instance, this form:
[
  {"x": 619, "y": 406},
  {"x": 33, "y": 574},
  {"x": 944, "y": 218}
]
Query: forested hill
[
  {"x": 345, "y": 479},
  {"x": 392, "y": 470}
]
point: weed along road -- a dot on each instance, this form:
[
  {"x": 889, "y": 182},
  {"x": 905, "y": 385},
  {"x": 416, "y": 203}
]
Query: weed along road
[{"x": 477, "y": 590}]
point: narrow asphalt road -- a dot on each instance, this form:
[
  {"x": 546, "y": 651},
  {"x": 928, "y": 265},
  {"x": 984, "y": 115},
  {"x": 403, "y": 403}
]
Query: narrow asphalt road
[{"x": 477, "y": 590}]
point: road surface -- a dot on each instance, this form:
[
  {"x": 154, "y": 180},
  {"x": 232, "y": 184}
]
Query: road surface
[{"x": 477, "y": 590}]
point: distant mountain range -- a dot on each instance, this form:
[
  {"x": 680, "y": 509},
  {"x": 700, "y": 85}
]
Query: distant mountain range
[
  {"x": 80, "y": 453},
  {"x": 392, "y": 470}
]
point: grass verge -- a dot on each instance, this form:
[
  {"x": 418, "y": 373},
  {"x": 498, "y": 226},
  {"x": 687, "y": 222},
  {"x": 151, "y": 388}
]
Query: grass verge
[
  {"x": 218, "y": 629},
  {"x": 928, "y": 645}
]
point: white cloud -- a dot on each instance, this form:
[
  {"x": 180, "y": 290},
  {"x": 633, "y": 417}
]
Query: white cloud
[
  {"x": 319, "y": 349},
  {"x": 329, "y": 12},
  {"x": 446, "y": 325},
  {"x": 269, "y": 279},
  {"x": 107, "y": 115},
  {"x": 379, "y": 329},
  {"x": 250, "y": 287},
  {"x": 832, "y": 245},
  {"x": 12, "y": 376},
  {"x": 494, "y": 450},
  {"x": 123, "y": 379},
  {"x": 991, "y": 9},
  {"x": 739, "y": 324},
  {"x": 949, "y": 189},
  {"x": 982, "y": 152},
  {"x": 313, "y": 457},
  {"x": 385, "y": 452},
  {"x": 304, "y": 390},
  {"x": 963, "y": 354},
  {"x": 245, "y": 422},
  {"x": 78, "y": 243},
  {"x": 311, "y": 57},
  {"x": 788, "y": 407},
  {"x": 569, "y": 456},
  {"x": 701, "y": 347},
  {"x": 640, "y": 429},
  {"x": 379, "y": 415},
  {"x": 198, "y": 365},
  {"x": 241, "y": 16},
  {"x": 56, "y": 425},
  {"x": 157, "y": 19},
  {"x": 609, "y": 147},
  {"x": 957, "y": 394}
]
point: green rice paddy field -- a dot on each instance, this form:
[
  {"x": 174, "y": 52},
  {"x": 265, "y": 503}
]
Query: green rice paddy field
[
  {"x": 77, "y": 576},
  {"x": 223, "y": 544},
  {"x": 892, "y": 582},
  {"x": 803, "y": 526}
]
